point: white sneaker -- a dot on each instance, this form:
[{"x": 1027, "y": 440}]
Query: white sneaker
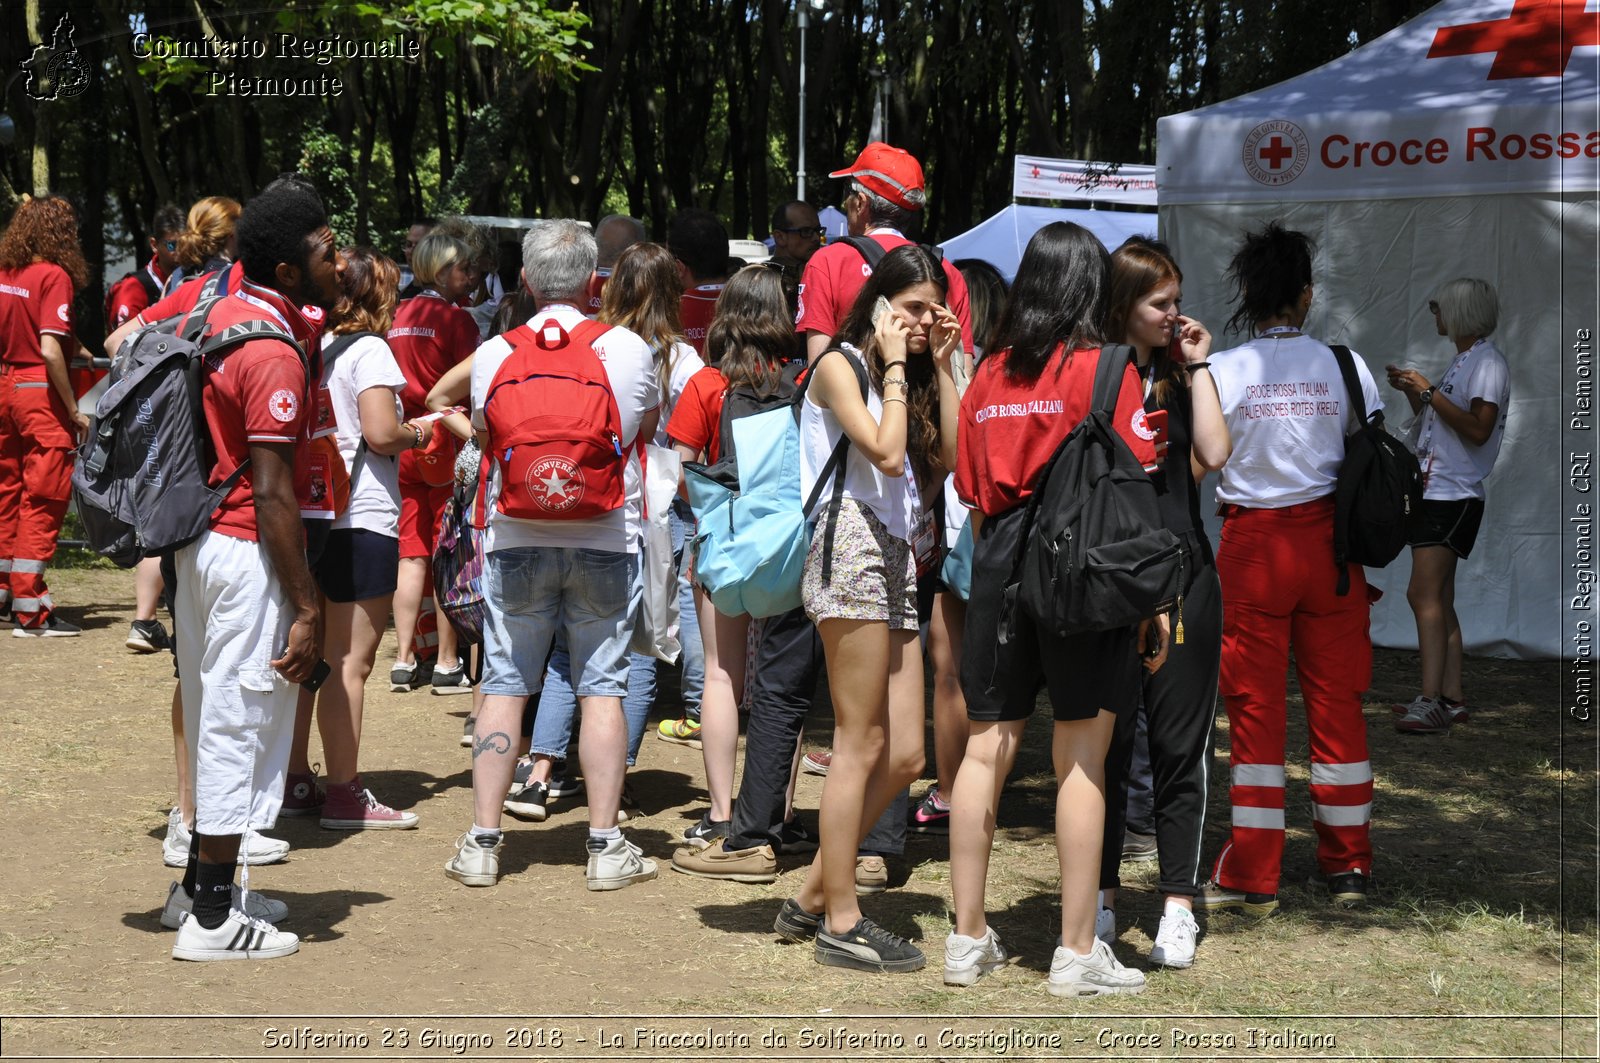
[
  {"x": 617, "y": 863},
  {"x": 258, "y": 847},
  {"x": 474, "y": 864},
  {"x": 967, "y": 959},
  {"x": 238, "y": 938},
  {"x": 1105, "y": 925},
  {"x": 1098, "y": 973},
  {"x": 180, "y": 904},
  {"x": 1175, "y": 939}
]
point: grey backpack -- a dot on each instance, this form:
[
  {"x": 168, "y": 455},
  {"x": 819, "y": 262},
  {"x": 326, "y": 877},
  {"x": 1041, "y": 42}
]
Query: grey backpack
[{"x": 141, "y": 482}]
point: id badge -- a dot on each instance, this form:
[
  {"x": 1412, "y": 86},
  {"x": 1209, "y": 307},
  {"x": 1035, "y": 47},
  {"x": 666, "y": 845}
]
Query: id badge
[{"x": 925, "y": 543}]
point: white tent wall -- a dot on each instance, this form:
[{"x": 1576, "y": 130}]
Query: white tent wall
[{"x": 1377, "y": 262}]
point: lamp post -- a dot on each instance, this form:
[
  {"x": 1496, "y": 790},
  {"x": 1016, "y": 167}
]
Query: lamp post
[{"x": 803, "y": 11}]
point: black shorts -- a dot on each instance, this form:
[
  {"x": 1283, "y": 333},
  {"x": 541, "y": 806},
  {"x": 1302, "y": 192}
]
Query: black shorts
[
  {"x": 1082, "y": 674},
  {"x": 357, "y": 565},
  {"x": 1453, "y": 524}
]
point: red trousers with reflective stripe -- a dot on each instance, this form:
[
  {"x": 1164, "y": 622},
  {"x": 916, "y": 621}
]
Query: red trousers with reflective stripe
[
  {"x": 36, "y": 442},
  {"x": 1278, "y": 590}
]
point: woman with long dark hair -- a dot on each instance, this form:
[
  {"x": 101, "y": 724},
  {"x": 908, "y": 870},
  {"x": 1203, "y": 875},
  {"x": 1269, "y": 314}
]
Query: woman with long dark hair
[
  {"x": 861, "y": 576},
  {"x": 1031, "y": 389},
  {"x": 1288, "y": 413},
  {"x": 1178, "y": 704},
  {"x": 41, "y": 270}
]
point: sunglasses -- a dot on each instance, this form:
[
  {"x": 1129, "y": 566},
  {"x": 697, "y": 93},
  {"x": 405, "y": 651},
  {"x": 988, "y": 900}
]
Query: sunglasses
[
  {"x": 805, "y": 230},
  {"x": 1433, "y": 307},
  {"x": 170, "y": 245}
]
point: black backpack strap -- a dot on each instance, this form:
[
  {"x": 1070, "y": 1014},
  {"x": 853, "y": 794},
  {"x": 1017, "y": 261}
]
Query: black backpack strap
[
  {"x": 1114, "y": 358},
  {"x": 834, "y": 467},
  {"x": 152, "y": 290},
  {"x": 1345, "y": 488},
  {"x": 867, "y": 248}
]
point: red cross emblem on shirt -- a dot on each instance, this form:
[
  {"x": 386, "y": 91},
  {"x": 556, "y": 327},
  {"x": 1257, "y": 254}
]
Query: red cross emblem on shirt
[
  {"x": 1535, "y": 41},
  {"x": 1276, "y": 152},
  {"x": 285, "y": 407}
]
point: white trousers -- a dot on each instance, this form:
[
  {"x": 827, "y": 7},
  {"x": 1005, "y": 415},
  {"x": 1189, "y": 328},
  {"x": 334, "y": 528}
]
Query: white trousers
[{"x": 232, "y": 619}]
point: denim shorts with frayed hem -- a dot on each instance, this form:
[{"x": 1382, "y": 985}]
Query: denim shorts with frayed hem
[{"x": 531, "y": 591}]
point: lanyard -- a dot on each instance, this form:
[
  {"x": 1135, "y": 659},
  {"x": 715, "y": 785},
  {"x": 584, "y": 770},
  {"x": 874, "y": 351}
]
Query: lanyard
[{"x": 1430, "y": 418}]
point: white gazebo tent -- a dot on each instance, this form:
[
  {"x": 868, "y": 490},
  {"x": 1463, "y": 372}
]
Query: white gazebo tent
[{"x": 1463, "y": 143}]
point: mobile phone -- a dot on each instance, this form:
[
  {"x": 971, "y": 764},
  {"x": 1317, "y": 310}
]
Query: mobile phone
[
  {"x": 880, "y": 308},
  {"x": 1152, "y": 643},
  {"x": 319, "y": 675},
  {"x": 1156, "y": 421}
]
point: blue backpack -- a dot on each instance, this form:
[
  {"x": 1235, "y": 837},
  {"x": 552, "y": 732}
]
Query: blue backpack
[{"x": 753, "y": 528}]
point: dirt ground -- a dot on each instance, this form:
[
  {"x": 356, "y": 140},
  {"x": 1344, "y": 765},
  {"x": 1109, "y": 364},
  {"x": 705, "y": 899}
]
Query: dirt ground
[{"x": 1480, "y": 943}]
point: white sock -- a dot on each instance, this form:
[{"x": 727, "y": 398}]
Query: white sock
[
  {"x": 1173, "y": 906},
  {"x": 485, "y": 835},
  {"x": 605, "y": 834}
]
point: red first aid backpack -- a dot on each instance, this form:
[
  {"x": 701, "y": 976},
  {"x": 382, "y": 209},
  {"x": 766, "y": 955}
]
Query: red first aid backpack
[{"x": 555, "y": 431}]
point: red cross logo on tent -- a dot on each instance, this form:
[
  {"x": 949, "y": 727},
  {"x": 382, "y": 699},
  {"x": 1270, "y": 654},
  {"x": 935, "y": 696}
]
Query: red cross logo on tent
[
  {"x": 1036, "y": 172},
  {"x": 1535, "y": 41},
  {"x": 1275, "y": 152}
]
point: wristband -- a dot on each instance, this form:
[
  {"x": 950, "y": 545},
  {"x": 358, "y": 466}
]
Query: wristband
[
  {"x": 1197, "y": 365},
  {"x": 896, "y": 398}
]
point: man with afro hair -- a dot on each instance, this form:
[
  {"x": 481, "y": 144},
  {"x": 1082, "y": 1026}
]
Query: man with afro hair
[{"x": 245, "y": 606}]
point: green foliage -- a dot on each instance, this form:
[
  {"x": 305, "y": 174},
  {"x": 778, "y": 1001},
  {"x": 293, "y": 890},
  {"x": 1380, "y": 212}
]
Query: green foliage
[
  {"x": 326, "y": 160},
  {"x": 528, "y": 32}
]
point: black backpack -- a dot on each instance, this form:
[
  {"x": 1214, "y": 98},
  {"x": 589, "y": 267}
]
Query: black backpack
[
  {"x": 141, "y": 482},
  {"x": 1093, "y": 554},
  {"x": 873, "y": 252},
  {"x": 1379, "y": 490}
]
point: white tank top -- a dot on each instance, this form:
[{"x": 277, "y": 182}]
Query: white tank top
[{"x": 893, "y": 499}]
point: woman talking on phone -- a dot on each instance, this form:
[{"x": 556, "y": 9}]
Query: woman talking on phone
[
  {"x": 1179, "y": 702},
  {"x": 860, "y": 583},
  {"x": 1031, "y": 389}
]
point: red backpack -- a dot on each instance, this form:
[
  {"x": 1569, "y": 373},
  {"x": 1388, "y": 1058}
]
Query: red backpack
[{"x": 554, "y": 427}]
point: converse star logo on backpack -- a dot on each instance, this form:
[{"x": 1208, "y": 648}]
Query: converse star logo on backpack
[{"x": 555, "y": 484}]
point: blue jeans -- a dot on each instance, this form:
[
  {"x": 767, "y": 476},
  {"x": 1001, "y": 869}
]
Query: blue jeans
[
  {"x": 693, "y": 660},
  {"x": 534, "y": 593},
  {"x": 552, "y": 724}
]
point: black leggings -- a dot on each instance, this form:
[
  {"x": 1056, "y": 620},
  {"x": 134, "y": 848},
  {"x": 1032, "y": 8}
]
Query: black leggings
[{"x": 1180, "y": 705}]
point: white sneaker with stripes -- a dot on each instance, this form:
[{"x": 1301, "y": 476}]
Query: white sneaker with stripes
[{"x": 238, "y": 938}]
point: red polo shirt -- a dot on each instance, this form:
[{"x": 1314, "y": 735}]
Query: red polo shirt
[
  {"x": 35, "y": 299},
  {"x": 1010, "y": 430},
  {"x": 697, "y": 307},
  {"x": 428, "y": 337},
  {"x": 835, "y": 275},
  {"x": 258, "y": 392}
]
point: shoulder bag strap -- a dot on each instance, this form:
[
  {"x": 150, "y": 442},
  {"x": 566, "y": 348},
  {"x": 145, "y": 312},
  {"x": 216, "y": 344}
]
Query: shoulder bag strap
[
  {"x": 835, "y": 468},
  {"x": 1352, "y": 382}
]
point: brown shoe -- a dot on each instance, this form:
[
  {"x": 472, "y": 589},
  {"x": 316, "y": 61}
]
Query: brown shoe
[
  {"x": 740, "y": 865},
  {"x": 872, "y": 875}
]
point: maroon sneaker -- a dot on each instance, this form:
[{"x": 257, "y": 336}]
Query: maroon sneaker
[
  {"x": 351, "y": 806},
  {"x": 301, "y": 794}
]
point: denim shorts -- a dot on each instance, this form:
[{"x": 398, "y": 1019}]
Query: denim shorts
[{"x": 531, "y": 591}]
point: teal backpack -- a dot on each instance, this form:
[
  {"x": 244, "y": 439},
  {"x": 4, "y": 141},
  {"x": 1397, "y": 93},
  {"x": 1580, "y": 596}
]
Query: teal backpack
[{"x": 753, "y": 529}]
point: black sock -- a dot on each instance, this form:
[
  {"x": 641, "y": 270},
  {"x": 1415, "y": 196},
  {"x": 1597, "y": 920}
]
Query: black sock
[
  {"x": 190, "y": 869},
  {"x": 213, "y": 894}
]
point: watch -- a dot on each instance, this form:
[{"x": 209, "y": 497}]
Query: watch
[{"x": 1426, "y": 396}]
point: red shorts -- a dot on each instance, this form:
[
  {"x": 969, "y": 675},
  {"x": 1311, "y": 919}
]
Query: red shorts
[{"x": 420, "y": 506}]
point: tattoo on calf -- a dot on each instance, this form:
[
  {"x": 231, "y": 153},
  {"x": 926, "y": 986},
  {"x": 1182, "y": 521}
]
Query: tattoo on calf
[{"x": 495, "y": 742}]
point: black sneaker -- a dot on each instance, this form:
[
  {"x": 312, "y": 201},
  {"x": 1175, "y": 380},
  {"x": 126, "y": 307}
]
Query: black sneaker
[
  {"x": 867, "y": 947},
  {"x": 796, "y": 838},
  {"x": 528, "y": 802},
  {"x": 706, "y": 831},
  {"x": 148, "y": 636},
  {"x": 1138, "y": 848},
  {"x": 562, "y": 784},
  {"x": 794, "y": 923},
  {"x": 1347, "y": 889}
]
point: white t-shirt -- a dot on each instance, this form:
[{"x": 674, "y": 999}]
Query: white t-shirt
[
  {"x": 683, "y": 364},
  {"x": 1452, "y": 468},
  {"x": 632, "y": 376},
  {"x": 892, "y": 499},
  {"x": 1285, "y": 403},
  {"x": 375, "y": 494}
]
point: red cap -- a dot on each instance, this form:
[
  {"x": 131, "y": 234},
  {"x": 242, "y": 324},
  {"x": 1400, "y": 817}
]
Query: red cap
[{"x": 886, "y": 171}]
